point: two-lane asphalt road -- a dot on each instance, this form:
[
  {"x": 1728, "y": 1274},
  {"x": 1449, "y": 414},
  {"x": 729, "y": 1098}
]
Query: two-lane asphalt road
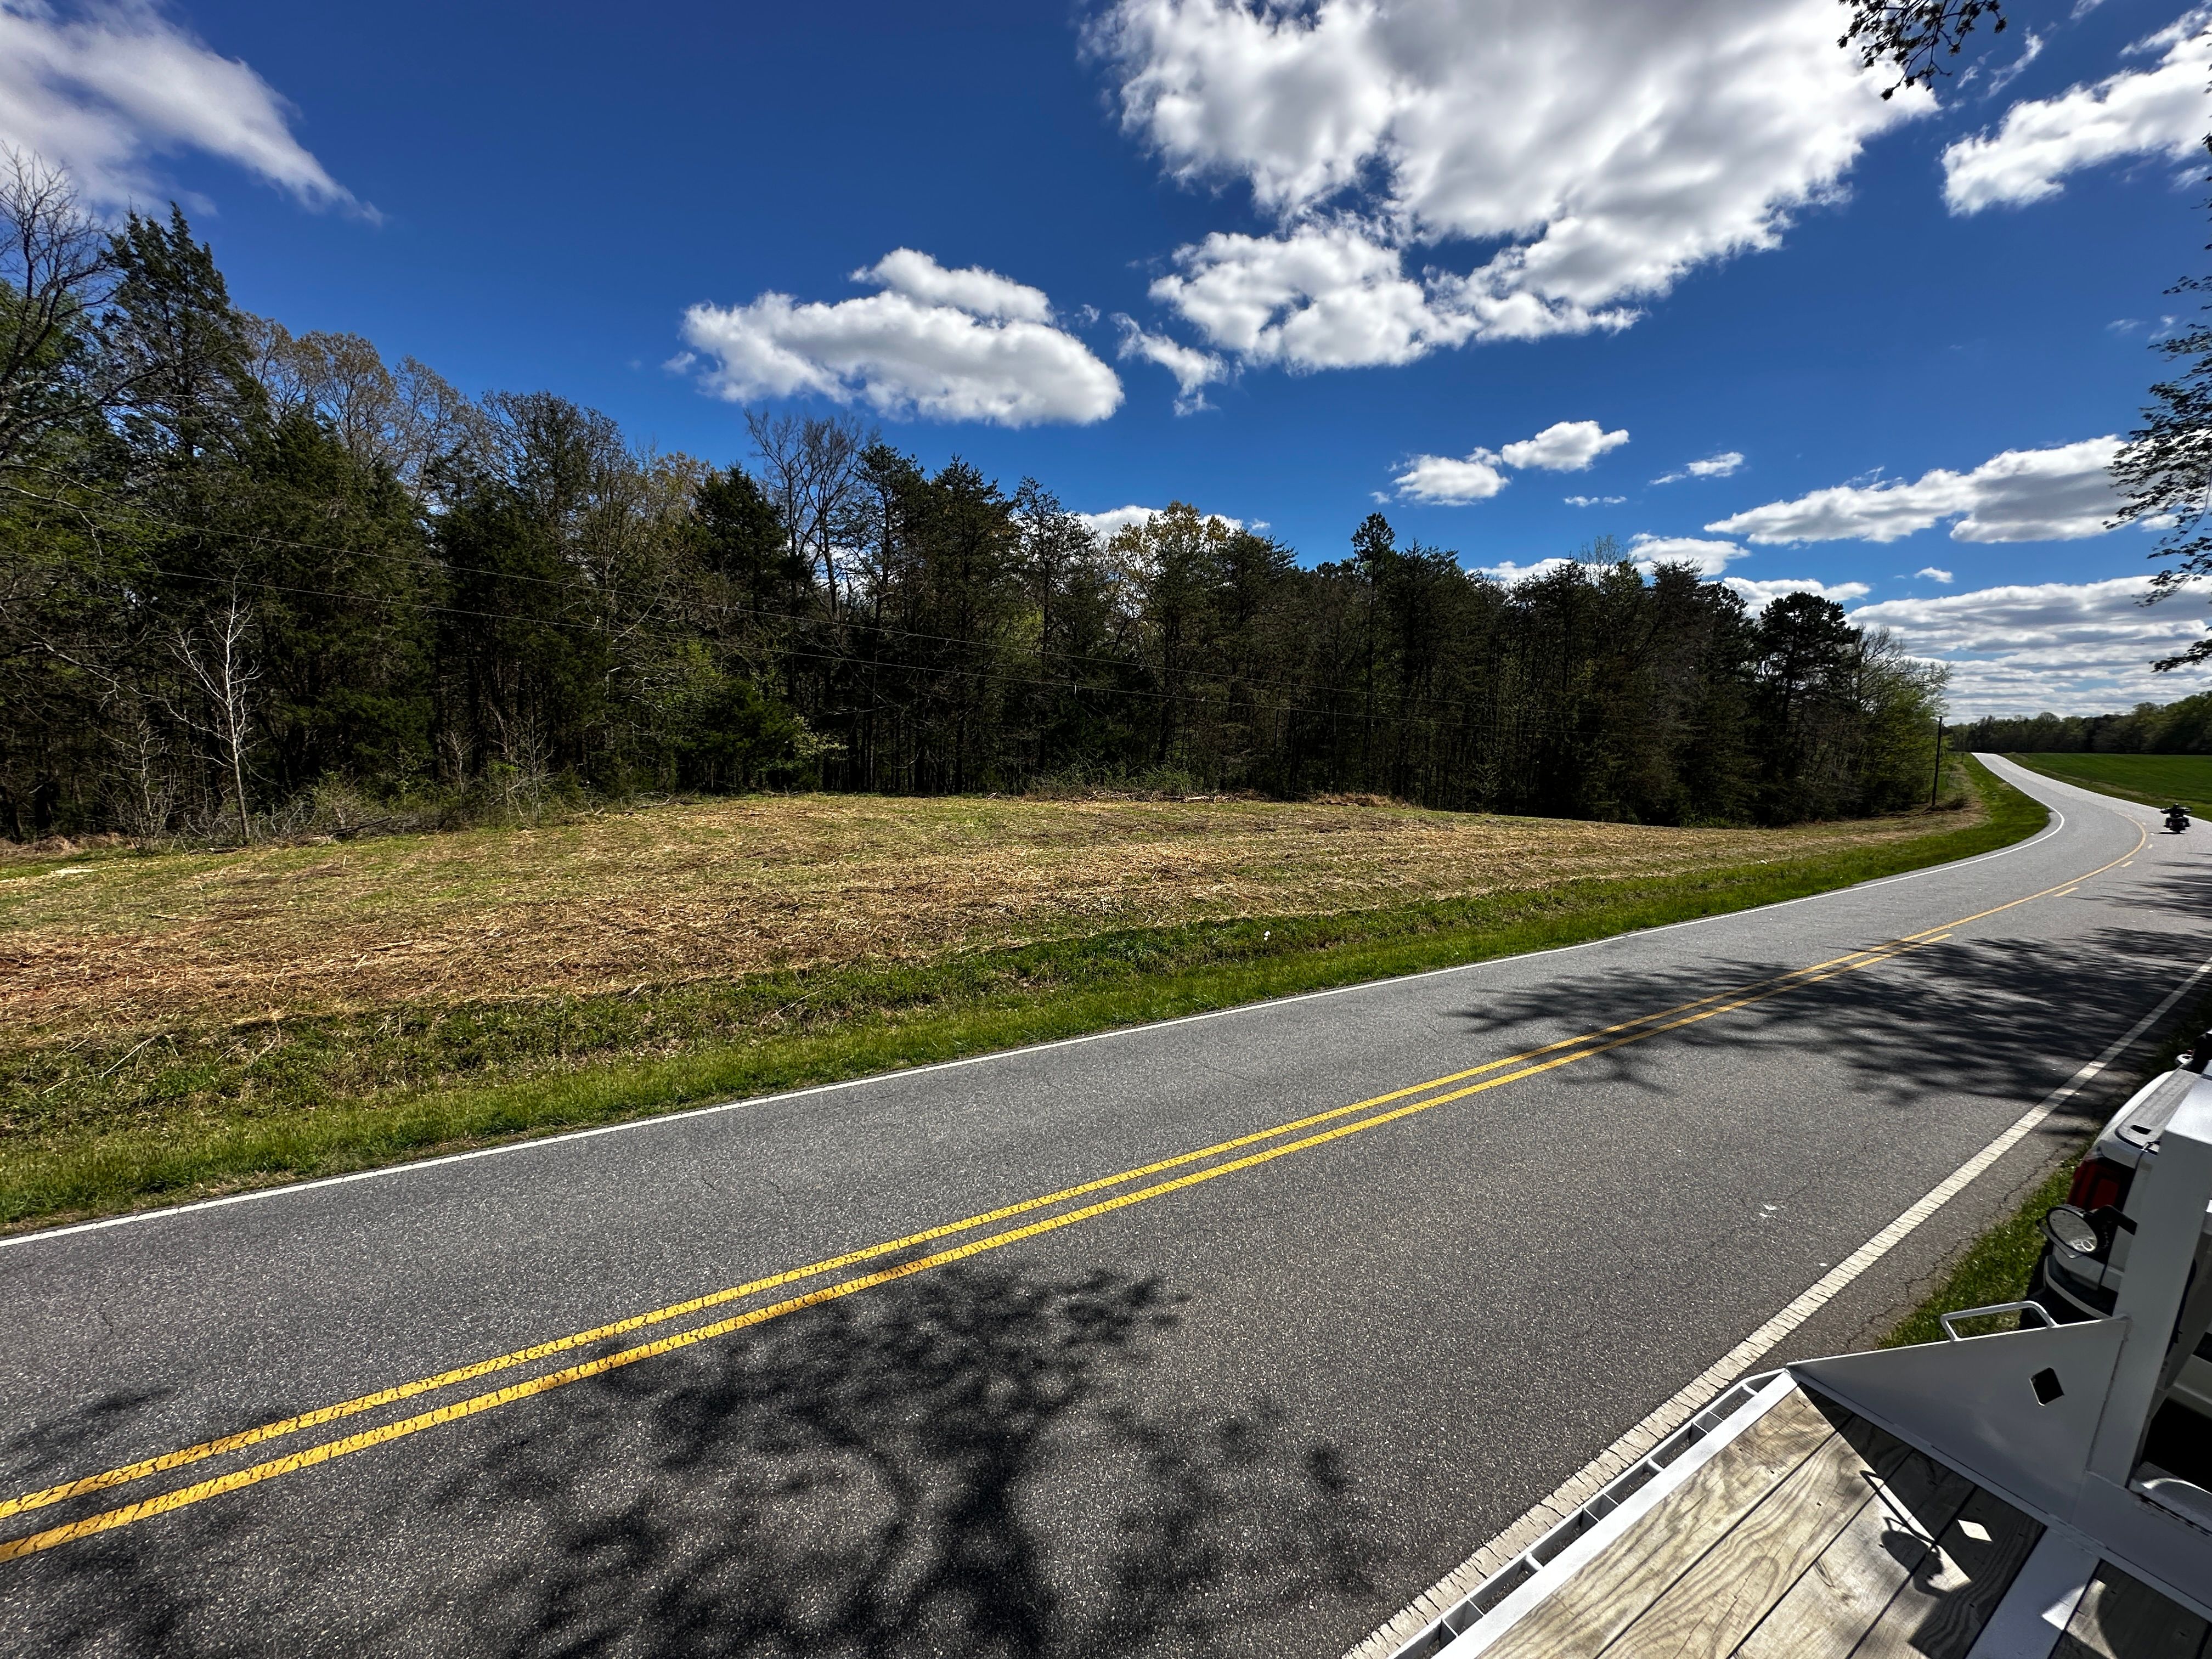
[{"x": 1227, "y": 1335}]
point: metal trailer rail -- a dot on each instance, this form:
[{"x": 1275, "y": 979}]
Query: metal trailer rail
[{"x": 1548, "y": 1559}]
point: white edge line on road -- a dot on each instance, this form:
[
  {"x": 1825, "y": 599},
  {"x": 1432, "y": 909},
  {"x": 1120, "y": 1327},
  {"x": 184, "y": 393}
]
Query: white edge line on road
[
  {"x": 750, "y": 1102},
  {"x": 1469, "y": 1576}
]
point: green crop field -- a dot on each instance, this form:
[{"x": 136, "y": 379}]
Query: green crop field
[{"x": 2155, "y": 780}]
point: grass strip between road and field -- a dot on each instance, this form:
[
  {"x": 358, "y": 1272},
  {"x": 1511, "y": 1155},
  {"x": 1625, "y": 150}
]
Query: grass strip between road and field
[
  {"x": 332, "y": 1095},
  {"x": 1997, "y": 1267}
]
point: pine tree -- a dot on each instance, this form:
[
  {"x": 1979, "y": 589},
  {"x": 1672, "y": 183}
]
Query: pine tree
[{"x": 179, "y": 343}]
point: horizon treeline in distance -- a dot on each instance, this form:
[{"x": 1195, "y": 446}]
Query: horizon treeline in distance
[
  {"x": 2183, "y": 728},
  {"x": 251, "y": 581}
]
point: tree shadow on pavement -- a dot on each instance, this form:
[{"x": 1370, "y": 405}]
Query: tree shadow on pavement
[
  {"x": 43, "y": 1450},
  {"x": 2183, "y": 888},
  {"x": 978, "y": 1459},
  {"x": 961, "y": 1463},
  {"x": 124, "y": 1593},
  {"x": 2002, "y": 1017}
]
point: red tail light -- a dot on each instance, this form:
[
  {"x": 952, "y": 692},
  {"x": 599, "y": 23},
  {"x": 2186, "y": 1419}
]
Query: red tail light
[{"x": 2097, "y": 1182}]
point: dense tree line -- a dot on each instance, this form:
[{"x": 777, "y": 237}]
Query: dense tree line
[
  {"x": 238, "y": 568},
  {"x": 2149, "y": 728}
]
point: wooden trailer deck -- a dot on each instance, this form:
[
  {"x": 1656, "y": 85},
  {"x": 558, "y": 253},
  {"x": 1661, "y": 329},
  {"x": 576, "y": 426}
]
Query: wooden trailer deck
[
  {"x": 2032, "y": 1492},
  {"x": 1812, "y": 1534}
]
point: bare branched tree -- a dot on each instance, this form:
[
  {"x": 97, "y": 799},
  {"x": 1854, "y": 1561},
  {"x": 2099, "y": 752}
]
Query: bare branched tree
[
  {"x": 811, "y": 469},
  {"x": 526, "y": 757},
  {"x": 54, "y": 268},
  {"x": 222, "y": 672},
  {"x": 145, "y": 788},
  {"x": 406, "y": 420}
]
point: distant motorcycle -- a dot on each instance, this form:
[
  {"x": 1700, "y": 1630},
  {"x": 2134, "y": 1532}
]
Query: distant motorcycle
[{"x": 2176, "y": 818}]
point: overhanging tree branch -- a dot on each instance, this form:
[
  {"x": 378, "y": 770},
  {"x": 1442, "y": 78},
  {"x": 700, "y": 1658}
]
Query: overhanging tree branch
[{"x": 1915, "y": 36}]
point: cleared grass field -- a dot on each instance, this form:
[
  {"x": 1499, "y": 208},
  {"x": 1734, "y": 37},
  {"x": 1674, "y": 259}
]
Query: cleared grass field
[
  {"x": 106, "y": 945},
  {"x": 181, "y": 1023},
  {"x": 2154, "y": 780}
]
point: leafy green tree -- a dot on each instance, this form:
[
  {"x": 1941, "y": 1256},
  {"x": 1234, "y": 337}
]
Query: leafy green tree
[
  {"x": 2164, "y": 471},
  {"x": 1805, "y": 649},
  {"x": 336, "y": 552},
  {"x": 237, "y": 564},
  {"x": 742, "y": 545},
  {"x": 1076, "y": 711}
]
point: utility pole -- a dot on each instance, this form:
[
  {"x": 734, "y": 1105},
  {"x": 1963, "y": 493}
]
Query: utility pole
[{"x": 1936, "y": 782}]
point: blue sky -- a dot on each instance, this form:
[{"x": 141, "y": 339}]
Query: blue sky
[{"x": 1491, "y": 233}]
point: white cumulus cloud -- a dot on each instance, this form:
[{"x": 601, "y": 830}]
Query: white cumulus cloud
[
  {"x": 1709, "y": 557},
  {"x": 1322, "y": 296},
  {"x": 1646, "y": 553},
  {"x": 949, "y": 346},
  {"x": 1722, "y": 465},
  {"x": 2160, "y": 111},
  {"x": 1600, "y": 151},
  {"x": 1440, "y": 481},
  {"x": 1564, "y": 447},
  {"x": 1105, "y": 525},
  {"x": 1194, "y": 370},
  {"x": 978, "y": 292},
  {"x": 1592, "y": 500},
  {"x": 1933, "y": 574},
  {"x": 1761, "y": 594},
  {"x": 1511, "y": 574},
  {"x": 101, "y": 89},
  {"x": 2070, "y": 647},
  {"x": 2061, "y": 494}
]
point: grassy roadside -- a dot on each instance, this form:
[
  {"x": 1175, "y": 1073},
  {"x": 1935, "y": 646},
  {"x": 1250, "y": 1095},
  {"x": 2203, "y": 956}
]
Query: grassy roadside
[
  {"x": 1999, "y": 1266},
  {"x": 94, "y": 1128},
  {"x": 2150, "y": 780}
]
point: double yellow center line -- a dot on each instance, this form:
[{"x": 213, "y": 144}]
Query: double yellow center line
[{"x": 1203, "y": 1164}]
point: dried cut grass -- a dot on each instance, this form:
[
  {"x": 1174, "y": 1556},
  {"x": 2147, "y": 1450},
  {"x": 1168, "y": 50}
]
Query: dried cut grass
[{"x": 106, "y": 942}]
